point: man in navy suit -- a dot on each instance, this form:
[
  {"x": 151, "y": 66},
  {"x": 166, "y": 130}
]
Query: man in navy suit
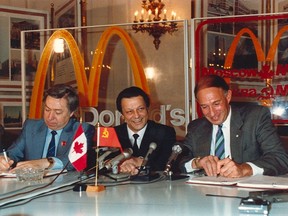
[
  {"x": 251, "y": 143},
  {"x": 133, "y": 104},
  {"x": 32, "y": 147}
]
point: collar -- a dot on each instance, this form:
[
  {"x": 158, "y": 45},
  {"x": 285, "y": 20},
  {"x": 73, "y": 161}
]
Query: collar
[{"x": 140, "y": 132}]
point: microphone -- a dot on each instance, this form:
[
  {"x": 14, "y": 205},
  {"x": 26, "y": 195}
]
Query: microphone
[
  {"x": 101, "y": 159},
  {"x": 176, "y": 150},
  {"x": 116, "y": 160},
  {"x": 152, "y": 147}
]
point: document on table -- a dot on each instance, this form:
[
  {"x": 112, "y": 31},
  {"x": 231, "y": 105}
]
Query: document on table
[
  {"x": 213, "y": 180},
  {"x": 257, "y": 181}
]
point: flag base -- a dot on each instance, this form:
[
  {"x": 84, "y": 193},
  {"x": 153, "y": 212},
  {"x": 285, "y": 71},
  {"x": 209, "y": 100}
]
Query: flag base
[
  {"x": 88, "y": 188},
  {"x": 95, "y": 188}
]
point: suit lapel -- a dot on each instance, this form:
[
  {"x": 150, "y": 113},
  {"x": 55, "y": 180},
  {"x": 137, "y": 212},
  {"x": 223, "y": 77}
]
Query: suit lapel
[
  {"x": 205, "y": 139},
  {"x": 40, "y": 138},
  {"x": 146, "y": 140},
  {"x": 123, "y": 136},
  {"x": 66, "y": 138},
  {"x": 235, "y": 135}
]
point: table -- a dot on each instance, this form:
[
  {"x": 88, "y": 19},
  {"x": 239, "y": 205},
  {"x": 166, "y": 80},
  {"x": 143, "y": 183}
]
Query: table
[{"x": 164, "y": 197}]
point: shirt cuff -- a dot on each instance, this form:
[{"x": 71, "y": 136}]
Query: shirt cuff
[
  {"x": 256, "y": 170},
  {"x": 58, "y": 165},
  {"x": 188, "y": 166}
]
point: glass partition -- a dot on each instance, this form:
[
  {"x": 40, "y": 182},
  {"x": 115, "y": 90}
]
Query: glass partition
[
  {"x": 250, "y": 52},
  {"x": 100, "y": 61}
]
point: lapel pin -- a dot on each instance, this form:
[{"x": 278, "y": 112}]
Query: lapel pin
[{"x": 63, "y": 143}]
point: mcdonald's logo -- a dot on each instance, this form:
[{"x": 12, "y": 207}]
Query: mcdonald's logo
[
  {"x": 258, "y": 48},
  {"x": 88, "y": 91},
  {"x": 265, "y": 73}
]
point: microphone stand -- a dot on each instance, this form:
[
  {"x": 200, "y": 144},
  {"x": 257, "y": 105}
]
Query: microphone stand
[
  {"x": 145, "y": 175},
  {"x": 171, "y": 176}
]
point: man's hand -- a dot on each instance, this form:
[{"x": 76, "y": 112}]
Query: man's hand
[
  {"x": 131, "y": 165},
  {"x": 36, "y": 164},
  {"x": 4, "y": 165},
  {"x": 229, "y": 168},
  {"x": 208, "y": 163}
]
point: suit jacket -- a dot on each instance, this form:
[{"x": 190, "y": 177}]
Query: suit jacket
[
  {"x": 164, "y": 136},
  {"x": 31, "y": 142},
  {"x": 253, "y": 138}
]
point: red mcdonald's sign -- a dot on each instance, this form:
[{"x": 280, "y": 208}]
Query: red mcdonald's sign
[{"x": 269, "y": 76}]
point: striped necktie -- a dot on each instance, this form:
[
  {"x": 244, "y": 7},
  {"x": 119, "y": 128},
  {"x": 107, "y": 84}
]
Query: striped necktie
[{"x": 219, "y": 144}]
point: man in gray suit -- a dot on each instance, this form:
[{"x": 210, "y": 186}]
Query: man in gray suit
[
  {"x": 34, "y": 148},
  {"x": 250, "y": 143}
]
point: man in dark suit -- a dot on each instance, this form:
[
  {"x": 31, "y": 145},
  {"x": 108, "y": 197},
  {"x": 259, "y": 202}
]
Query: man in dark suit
[
  {"x": 250, "y": 143},
  {"x": 133, "y": 104},
  {"x": 32, "y": 148}
]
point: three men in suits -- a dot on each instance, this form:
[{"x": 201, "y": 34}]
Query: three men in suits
[
  {"x": 31, "y": 148},
  {"x": 133, "y": 104},
  {"x": 251, "y": 143}
]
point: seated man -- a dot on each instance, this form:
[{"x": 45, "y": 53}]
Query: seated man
[
  {"x": 138, "y": 132},
  {"x": 33, "y": 149},
  {"x": 232, "y": 141}
]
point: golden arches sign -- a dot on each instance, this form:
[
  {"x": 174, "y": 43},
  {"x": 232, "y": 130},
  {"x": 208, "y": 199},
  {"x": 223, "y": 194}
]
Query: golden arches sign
[
  {"x": 88, "y": 93},
  {"x": 257, "y": 45},
  {"x": 94, "y": 79}
]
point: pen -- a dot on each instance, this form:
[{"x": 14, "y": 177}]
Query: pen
[
  {"x": 5, "y": 155},
  {"x": 219, "y": 174}
]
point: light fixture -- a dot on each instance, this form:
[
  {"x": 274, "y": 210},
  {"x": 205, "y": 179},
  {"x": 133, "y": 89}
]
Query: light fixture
[
  {"x": 151, "y": 11},
  {"x": 58, "y": 45}
]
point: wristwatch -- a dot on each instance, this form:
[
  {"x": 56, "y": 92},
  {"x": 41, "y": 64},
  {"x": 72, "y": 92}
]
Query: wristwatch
[
  {"x": 51, "y": 162},
  {"x": 197, "y": 164}
]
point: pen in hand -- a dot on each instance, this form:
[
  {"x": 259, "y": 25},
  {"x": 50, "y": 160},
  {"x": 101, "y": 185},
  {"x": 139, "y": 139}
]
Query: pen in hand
[
  {"x": 6, "y": 159},
  {"x": 219, "y": 173},
  {"x": 5, "y": 155}
]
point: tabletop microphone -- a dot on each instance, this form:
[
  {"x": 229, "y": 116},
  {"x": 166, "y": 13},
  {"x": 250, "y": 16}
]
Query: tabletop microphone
[
  {"x": 176, "y": 150},
  {"x": 152, "y": 147},
  {"x": 101, "y": 158},
  {"x": 116, "y": 160}
]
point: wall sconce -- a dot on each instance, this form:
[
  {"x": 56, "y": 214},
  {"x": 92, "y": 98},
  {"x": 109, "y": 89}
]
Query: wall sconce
[
  {"x": 154, "y": 8},
  {"x": 58, "y": 45}
]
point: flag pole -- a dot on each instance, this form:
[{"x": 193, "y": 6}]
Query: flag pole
[{"x": 96, "y": 187}]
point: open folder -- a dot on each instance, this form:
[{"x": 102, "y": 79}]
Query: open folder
[{"x": 257, "y": 181}]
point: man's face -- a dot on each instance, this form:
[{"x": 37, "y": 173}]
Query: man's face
[
  {"x": 56, "y": 113},
  {"x": 135, "y": 112},
  {"x": 214, "y": 103}
]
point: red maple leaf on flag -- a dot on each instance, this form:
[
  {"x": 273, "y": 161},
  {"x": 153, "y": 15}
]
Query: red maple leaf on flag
[{"x": 78, "y": 147}]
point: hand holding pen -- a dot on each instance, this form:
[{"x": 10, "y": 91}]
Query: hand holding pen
[
  {"x": 221, "y": 165},
  {"x": 230, "y": 169},
  {"x": 5, "y": 162}
]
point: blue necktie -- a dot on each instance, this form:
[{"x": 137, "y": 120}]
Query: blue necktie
[
  {"x": 51, "y": 148},
  {"x": 219, "y": 144}
]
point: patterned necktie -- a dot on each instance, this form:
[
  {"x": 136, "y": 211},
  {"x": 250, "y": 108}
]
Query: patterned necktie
[
  {"x": 51, "y": 148},
  {"x": 219, "y": 144},
  {"x": 135, "y": 146}
]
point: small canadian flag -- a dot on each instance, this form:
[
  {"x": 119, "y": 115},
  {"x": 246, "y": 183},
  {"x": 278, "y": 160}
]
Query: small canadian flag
[{"x": 78, "y": 150}]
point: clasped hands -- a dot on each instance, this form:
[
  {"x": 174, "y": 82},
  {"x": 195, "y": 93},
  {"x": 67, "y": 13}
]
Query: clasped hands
[
  {"x": 225, "y": 167},
  {"x": 131, "y": 165}
]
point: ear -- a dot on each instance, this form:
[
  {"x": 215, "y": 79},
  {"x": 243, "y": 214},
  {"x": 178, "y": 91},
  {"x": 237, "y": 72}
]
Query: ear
[{"x": 229, "y": 95}]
